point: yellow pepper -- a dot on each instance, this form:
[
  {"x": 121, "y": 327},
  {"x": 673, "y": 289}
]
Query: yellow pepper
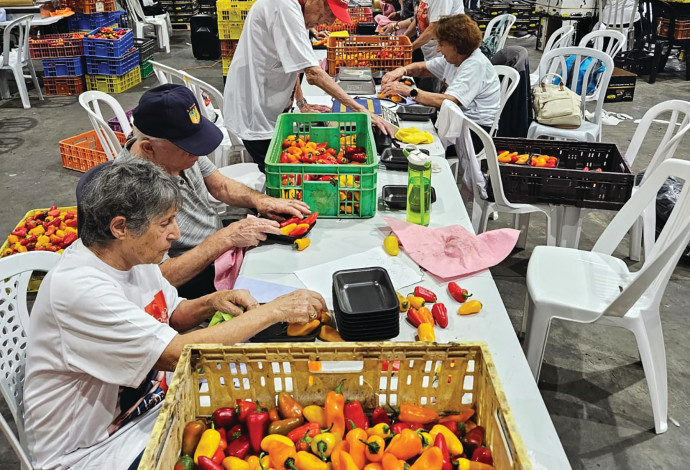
[
  {"x": 42, "y": 240},
  {"x": 295, "y": 329},
  {"x": 426, "y": 439},
  {"x": 12, "y": 239},
  {"x": 21, "y": 248},
  {"x": 464, "y": 464},
  {"x": 308, "y": 461},
  {"x": 322, "y": 444},
  {"x": 301, "y": 243},
  {"x": 330, "y": 334},
  {"x": 208, "y": 444},
  {"x": 390, "y": 244},
  {"x": 404, "y": 303},
  {"x": 70, "y": 230},
  {"x": 287, "y": 229},
  {"x": 60, "y": 233},
  {"x": 452, "y": 442},
  {"x": 431, "y": 459},
  {"x": 382, "y": 430},
  {"x": 38, "y": 230},
  {"x": 416, "y": 302},
  {"x": 269, "y": 440},
  {"x": 234, "y": 463},
  {"x": 425, "y": 332},
  {"x": 468, "y": 308},
  {"x": 315, "y": 414}
]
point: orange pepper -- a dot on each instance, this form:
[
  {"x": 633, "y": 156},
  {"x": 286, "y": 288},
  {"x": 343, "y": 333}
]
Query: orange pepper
[
  {"x": 335, "y": 416},
  {"x": 356, "y": 439},
  {"x": 340, "y": 447},
  {"x": 373, "y": 466},
  {"x": 296, "y": 151},
  {"x": 431, "y": 459},
  {"x": 273, "y": 415},
  {"x": 347, "y": 462},
  {"x": 464, "y": 464},
  {"x": 391, "y": 462},
  {"x": 374, "y": 448},
  {"x": 416, "y": 414},
  {"x": 426, "y": 315},
  {"x": 405, "y": 445},
  {"x": 282, "y": 456},
  {"x": 460, "y": 418}
]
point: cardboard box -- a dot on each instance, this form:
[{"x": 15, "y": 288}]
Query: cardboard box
[
  {"x": 567, "y": 8},
  {"x": 16, "y": 3},
  {"x": 621, "y": 86}
]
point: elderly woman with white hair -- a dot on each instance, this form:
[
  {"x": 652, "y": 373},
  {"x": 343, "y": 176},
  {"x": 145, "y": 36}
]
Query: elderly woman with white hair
[{"x": 106, "y": 324}]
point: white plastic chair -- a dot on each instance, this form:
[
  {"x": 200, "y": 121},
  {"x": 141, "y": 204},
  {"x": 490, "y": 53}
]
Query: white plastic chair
[
  {"x": 15, "y": 272},
  {"x": 618, "y": 15},
  {"x": 601, "y": 289},
  {"x": 90, "y": 102},
  {"x": 14, "y": 60},
  {"x": 605, "y": 40},
  {"x": 562, "y": 37},
  {"x": 554, "y": 61},
  {"x": 160, "y": 22},
  {"x": 643, "y": 231},
  {"x": 504, "y": 31},
  {"x": 482, "y": 208},
  {"x": 166, "y": 74}
]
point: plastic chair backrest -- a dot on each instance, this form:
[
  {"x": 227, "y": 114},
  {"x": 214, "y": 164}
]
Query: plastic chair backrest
[
  {"x": 658, "y": 267},
  {"x": 506, "y": 21},
  {"x": 166, "y": 74},
  {"x": 203, "y": 90},
  {"x": 680, "y": 114},
  {"x": 606, "y": 40},
  {"x": 562, "y": 37},
  {"x": 18, "y": 28},
  {"x": 620, "y": 14},
  {"x": 135, "y": 7},
  {"x": 109, "y": 141},
  {"x": 554, "y": 61},
  {"x": 15, "y": 273},
  {"x": 510, "y": 78}
]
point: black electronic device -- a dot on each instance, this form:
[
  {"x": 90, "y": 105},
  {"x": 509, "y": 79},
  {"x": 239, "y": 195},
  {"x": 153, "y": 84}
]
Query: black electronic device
[{"x": 204, "y": 33}]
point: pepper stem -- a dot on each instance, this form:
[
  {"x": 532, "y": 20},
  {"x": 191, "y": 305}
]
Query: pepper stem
[
  {"x": 322, "y": 447},
  {"x": 374, "y": 447},
  {"x": 290, "y": 463},
  {"x": 352, "y": 423},
  {"x": 339, "y": 388}
]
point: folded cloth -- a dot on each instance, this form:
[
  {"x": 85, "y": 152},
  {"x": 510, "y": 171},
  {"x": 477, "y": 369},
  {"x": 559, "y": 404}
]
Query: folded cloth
[
  {"x": 451, "y": 252},
  {"x": 412, "y": 135},
  {"x": 228, "y": 268}
]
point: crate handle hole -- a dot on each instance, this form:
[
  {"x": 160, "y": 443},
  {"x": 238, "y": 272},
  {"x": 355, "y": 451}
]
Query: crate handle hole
[{"x": 341, "y": 367}]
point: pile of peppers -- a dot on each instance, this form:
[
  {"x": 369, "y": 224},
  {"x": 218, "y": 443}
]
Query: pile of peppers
[{"x": 338, "y": 436}]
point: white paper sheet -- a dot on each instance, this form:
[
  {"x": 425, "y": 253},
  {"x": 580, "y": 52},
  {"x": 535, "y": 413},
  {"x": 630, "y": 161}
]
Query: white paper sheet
[
  {"x": 319, "y": 278},
  {"x": 262, "y": 291}
]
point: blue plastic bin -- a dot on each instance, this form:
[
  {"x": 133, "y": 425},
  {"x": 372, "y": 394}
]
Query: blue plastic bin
[
  {"x": 114, "y": 48},
  {"x": 63, "y": 67},
  {"x": 119, "y": 66},
  {"x": 84, "y": 22}
]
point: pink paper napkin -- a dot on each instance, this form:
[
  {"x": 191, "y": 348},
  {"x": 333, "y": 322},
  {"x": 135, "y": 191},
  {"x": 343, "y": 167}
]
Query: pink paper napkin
[
  {"x": 228, "y": 268},
  {"x": 451, "y": 252}
]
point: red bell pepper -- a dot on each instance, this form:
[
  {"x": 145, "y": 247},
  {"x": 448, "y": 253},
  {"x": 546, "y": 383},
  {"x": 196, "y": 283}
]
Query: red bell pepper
[
  {"x": 309, "y": 429},
  {"x": 225, "y": 417},
  {"x": 219, "y": 456},
  {"x": 208, "y": 464},
  {"x": 291, "y": 220},
  {"x": 426, "y": 294},
  {"x": 452, "y": 425},
  {"x": 355, "y": 417},
  {"x": 414, "y": 317},
  {"x": 440, "y": 314},
  {"x": 20, "y": 232},
  {"x": 69, "y": 238},
  {"x": 54, "y": 212},
  {"x": 300, "y": 230},
  {"x": 243, "y": 409},
  {"x": 398, "y": 427},
  {"x": 378, "y": 416},
  {"x": 234, "y": 432},
  {"x": 238, "y": 448},
  {"x": 71, "y": 223},
  {"x": 440, "y": 442},
  {"x": 473, "y": 439},
  {"x": 257, "y": 422},
  {"x": 312, "y": 217},
  {"x": 358, "y": 157},
  {"x": 458, "y": 293},
  {"x": 223, "y": 439},
  {"x": 483, "y": 455}
]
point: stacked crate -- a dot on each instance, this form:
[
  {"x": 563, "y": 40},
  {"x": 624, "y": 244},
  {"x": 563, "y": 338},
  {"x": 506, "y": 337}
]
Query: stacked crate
[
  {"x": 146, "y": 49},
  {"x": 86, "y": 22},
  {"x": 112, "y": 64},
  {"x": 63, "y": 62},
  {"x": 207, "y": 7},
  {"x": 231, "y": 17},
  {"x": 181, "y": 11}
]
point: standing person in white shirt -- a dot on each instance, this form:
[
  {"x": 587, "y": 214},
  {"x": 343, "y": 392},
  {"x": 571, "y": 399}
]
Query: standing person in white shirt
[
  {"x": 106, "y": 324},
  {"x": 468, "y": 78},
  {"x": 273, "y": 50}
]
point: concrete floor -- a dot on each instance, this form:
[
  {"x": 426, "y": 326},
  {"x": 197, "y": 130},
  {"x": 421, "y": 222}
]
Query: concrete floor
[{"x": 592, "y": 380}]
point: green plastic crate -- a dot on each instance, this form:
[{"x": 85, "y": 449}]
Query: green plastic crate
[
  {"x": 146, "y": 68},
  {"x": 349, "y": 190}
]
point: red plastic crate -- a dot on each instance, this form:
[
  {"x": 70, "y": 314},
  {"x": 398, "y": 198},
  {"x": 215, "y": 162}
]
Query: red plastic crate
[
  {"x": 376, "y": 52},
  {"x": 56, "y": 45},
  {"x": 227, "y": 48},
  {"x": 64, "y": 85},
  {"x": 89, "y": 6},
  {"x": 357, "y": 15}
]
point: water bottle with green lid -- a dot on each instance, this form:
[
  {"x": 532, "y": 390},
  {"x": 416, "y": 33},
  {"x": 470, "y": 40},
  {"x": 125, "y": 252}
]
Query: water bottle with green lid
[{"x": 418, "y": 186}]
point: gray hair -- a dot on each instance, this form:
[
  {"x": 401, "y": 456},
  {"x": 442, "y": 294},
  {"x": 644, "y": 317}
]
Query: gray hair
[{"x": 131, "y": 187}]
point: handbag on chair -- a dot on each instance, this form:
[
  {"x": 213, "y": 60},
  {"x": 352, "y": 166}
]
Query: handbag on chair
[{"x": 556, "y": 105}]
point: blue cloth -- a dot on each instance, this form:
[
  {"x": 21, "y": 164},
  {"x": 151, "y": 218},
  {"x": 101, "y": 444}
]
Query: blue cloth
[{"x": 584, "y": 65}]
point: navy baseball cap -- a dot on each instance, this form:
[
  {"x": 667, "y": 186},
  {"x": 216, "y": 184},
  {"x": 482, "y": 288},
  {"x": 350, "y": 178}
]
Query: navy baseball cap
[{"x": 171, "y": 112}]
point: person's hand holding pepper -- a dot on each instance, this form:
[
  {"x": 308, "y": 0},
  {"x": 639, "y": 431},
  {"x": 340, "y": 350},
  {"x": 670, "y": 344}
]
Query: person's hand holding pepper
[
  {"x": 393, "y": 76},
  {"x": 247, "y": 232},
  {"x": 321, "y": 35},
  {"x": 314, "y": 108},
  {"x": 396, "y": 88},
  {"x": 280, "y": 209},
  {"x": 230, "y": 301},
  {"x": 300, "y": 306}
]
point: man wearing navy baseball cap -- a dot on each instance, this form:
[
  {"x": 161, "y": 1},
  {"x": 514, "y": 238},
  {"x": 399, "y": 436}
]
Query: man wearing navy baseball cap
[
  {"x": 170, "y": 131},
  {"x": 273, "y": 50}
]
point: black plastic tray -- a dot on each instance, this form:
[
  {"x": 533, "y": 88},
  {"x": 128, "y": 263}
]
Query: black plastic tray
[
  {"x": 395, "y": 196},
  {"x": 286, "y": 238},
  {"x": 394, "y": 159},
  {"x": 416, "y": 112},
  {"x": 363, "y": 292},
  {"x": 277, "y": 333}
]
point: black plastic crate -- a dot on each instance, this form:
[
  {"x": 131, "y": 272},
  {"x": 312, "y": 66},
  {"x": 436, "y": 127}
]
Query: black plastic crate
[
  {"x": 146, "y": 48},
  {"x": 568, "y": 183},
  {"x": 638, "y": 62}
]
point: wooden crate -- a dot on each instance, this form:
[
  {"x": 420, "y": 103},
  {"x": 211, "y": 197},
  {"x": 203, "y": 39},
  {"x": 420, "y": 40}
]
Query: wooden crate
[
  {"x": 682, "y": 30},
  {"x": 446, "y": 377}
]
